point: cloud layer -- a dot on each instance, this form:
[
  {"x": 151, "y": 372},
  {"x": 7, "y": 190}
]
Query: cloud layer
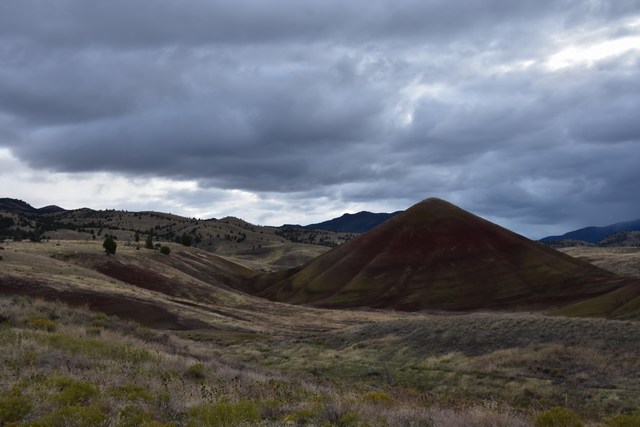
[{"x": 523, "y": 112}]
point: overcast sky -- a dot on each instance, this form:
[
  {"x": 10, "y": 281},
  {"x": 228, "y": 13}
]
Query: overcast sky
[{"x": 524, "y": 112}]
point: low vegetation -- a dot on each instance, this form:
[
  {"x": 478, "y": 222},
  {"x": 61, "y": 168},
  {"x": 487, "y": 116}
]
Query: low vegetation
[
  {"x": 210, "y": 355},
  {"x": 129, "y": 376}
]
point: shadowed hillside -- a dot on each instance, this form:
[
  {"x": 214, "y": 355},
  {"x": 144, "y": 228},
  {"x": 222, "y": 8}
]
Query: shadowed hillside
[
  {"x": 353, "y": 223},
  {"x": 438, "y": 256}
]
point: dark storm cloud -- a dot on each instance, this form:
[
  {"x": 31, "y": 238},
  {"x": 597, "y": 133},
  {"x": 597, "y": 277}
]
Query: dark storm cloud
[
  {"x": 356, "y": 101},
  {"x": 161, "y": 22}
]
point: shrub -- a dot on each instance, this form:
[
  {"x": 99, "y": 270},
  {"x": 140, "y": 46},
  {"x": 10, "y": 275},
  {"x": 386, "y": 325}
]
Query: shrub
[
  {"x": 42, "y": 324},
  {"x": 558, "y": 417},
  {"x": 196, "y": 371},
  {"x": 133, "y": 416},
  {"x": 131, "y": 393},
  {"x": 224, "y": 414},
  {"x": 99, "y": 319},
  {"x": 13, "y": 407},
  {"x": 166, "y": 250},
  {"x": 302, "y": 416},
  {"x": 378, "y": 398},
  {"x": 624, "y": 420},
  {"x": 349, "y": 419},
  {"x": 74, "y": 392},
  {"x": 109, "y": 245},
  {"x": 185, "y": 239},
  {"x": 77, "y": 416},
  {"x": 93, "y": 331}
]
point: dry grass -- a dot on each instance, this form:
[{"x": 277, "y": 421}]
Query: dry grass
[
  {"x": 624, "y": 261},
  {"x": 291, "y": 364},
  {"x": 525, "y": 360},
  {"x": 119, "y": 374}
]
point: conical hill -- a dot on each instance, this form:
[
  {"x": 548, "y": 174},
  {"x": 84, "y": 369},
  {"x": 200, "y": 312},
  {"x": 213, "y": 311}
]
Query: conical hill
[{"x": 438, "y": 256}]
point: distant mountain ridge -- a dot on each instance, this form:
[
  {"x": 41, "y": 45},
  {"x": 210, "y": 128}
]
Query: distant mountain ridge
[
  {"x": 20, "y": 206},
  {"x": 353, "y": 223},
  {"x": 595, "y": 234}
]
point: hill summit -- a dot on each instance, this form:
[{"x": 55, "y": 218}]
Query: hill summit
[{"x": 438, "y": 256}]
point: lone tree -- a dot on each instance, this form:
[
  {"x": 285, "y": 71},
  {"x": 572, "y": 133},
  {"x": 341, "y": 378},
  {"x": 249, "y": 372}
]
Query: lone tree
[
  {"x": 109, "y": 245},
  {"x": 185, "y": 239},
  {"x": 148, "y": 243}
]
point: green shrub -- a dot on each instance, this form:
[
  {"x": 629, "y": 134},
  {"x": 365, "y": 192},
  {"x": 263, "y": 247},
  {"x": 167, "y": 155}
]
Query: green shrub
[
  {"x": 349, "y": 419},
  {"x": 196, "y": 371},
  {"x": 100, "y": 319},
  {"x": 93, "y": 331},
  {"x": 13, "y": 407},
  {"x": 156, "y": 423},
  {"x": 224, "y": 414},
  {"x": 166, "y": 250},
  {"x": 133, "y": 416},
  {"x": 302, "y": 416},
  {"x": 42, "y": 324},
  {"x": 76, "y": 416},
  {"x": 74, "y": 392},
  {"x": 378, "y": 398},
  {"x": 109, "y": 245},
  {"x": 624, "y": 420},
  {"x": 558, "y": 417},
  {"x": 131, "y": 393}
]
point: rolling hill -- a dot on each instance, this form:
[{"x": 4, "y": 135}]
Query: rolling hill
[
  {"x": 20, "y": 206},
  {"x": 260, "y": 247},
  {"x": 438, "y": 256}
]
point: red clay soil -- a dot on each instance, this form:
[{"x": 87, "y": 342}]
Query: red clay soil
[
  {"x": 438, "y": 256},
  {"x": 144, "y": 312},
  {"x": 137, "y": 276}
]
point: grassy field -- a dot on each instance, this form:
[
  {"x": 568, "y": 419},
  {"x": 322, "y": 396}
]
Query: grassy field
[
  {"x": 624, "y": 261},
  {"x": 209, "y": 355}
]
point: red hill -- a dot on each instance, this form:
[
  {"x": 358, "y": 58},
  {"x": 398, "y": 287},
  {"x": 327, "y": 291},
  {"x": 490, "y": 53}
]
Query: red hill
[{"x": 438, "y": 256}]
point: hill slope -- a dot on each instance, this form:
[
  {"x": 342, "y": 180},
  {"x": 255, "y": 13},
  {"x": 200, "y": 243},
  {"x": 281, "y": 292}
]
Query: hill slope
[
  {"x": 438, "y": 256},
  {"x": 259, "y": 247}
]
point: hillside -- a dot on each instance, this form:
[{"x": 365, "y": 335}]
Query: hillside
[
  {"x": 438, "y": 256},
  {"x": 622, "y": 303},
  {"x": 259, "y": 247},
  {"x": 188, "y": 289}
]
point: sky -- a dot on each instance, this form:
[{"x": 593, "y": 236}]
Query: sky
[{"x": 297, "y": 111}]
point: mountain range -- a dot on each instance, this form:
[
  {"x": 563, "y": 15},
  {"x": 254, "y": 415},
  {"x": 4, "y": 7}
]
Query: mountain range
[
  {"x": 353, "y": 223},
  {"x": 609, "y": 235}
]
